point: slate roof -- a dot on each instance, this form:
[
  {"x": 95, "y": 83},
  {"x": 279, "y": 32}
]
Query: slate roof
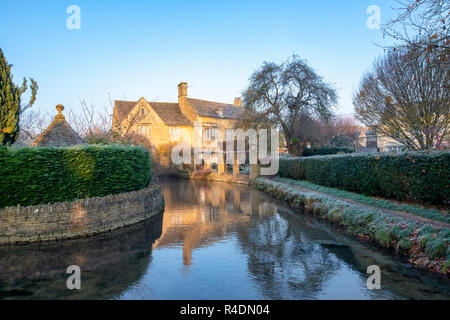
[
  {"x": 170, "y": 113},
  {"x": 58, "y": 134},
  {"x": 210, "y": 109},
  {"x": 123, "y": 108}
]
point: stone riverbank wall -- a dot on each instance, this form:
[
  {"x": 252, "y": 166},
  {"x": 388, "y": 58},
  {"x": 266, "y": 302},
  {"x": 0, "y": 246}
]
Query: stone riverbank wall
[{"x": 80, "y": 218}]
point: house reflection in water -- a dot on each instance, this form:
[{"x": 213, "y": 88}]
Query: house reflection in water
[{"x": 199, "y": 213}]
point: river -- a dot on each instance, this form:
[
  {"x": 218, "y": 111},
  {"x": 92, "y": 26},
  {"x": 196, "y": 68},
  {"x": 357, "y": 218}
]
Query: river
[{"x": 215, "y": 241}]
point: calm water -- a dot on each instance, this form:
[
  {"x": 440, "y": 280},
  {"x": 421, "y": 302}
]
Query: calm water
[{"x": 215, "y": 241}]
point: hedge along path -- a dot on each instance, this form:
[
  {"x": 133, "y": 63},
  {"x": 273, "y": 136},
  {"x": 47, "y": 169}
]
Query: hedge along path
[
  {"x": 418, "y": 177},
  {"x": 404, "y": 214}
]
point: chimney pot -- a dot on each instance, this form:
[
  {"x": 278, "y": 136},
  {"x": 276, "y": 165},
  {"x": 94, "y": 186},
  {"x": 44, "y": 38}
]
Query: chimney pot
[{"x": 238, "y": 102}]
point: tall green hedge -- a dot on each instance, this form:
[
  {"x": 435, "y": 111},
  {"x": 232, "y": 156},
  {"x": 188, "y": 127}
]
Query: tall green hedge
[
  {"x": 37, "y": 175},
  {"x": 322, "y": 151},
  {"x": 422, "y": 177}
]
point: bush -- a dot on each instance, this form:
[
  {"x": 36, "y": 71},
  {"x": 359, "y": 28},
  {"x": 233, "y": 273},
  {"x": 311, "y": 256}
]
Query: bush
[
  {"x": 422, "y": 177},
  {"x": 46, "y": 174},
  {"x": 322, "y": 151}
]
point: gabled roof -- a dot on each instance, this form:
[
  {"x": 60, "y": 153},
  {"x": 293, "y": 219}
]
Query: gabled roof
[
  {"x": 211, "y": 109},
  {"x": 58, "y": 133},
  {"x": 169, "y": 113},
  {"x": 123, "y": 109}
]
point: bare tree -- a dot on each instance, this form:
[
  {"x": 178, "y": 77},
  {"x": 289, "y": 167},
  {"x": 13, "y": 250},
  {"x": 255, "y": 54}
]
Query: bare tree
[
  {"x": 90, "y": 121},
  {"x": 338, "y": 132},
  {"x": 281, "y": 94},
  {"x": 423, "y": 25},
  {"x": 32, "y": 123},
  {"x": 344, "y": 132},
  {"x": 406, "y": 96},
  {"x": 96, "y": 125}
]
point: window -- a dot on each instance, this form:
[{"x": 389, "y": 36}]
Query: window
[
  {"x": 210, "y": 133},
  {"x": 174, "y": 132},
  {"x": 144, "y": 130}
]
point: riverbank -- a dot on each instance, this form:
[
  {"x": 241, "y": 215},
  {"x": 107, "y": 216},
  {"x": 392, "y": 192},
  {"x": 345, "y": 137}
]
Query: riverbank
[{"x": 420, "y": 235}]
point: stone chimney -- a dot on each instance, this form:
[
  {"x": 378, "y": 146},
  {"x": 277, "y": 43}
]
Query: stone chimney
[
  {"x": 183, "y": 103},
  {"x": 238, "y": 102},
  {"x": 182, "y": 90}
]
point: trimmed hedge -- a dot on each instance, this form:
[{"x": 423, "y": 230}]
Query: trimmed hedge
[
  {"x": 38, "y": 175},
  {"x": 422, "y": 177},
  {"x": 322, "y": 151}
]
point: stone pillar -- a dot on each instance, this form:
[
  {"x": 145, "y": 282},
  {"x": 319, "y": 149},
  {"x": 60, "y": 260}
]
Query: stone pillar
[
  {"x": 220, "y": 168},
  {"x": 254, "y": 171}
]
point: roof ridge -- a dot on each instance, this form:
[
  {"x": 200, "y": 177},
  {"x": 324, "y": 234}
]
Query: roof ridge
[{"x": 211, "y": 101}]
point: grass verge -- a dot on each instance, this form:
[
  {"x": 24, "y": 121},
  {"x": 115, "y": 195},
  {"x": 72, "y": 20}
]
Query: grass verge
[
  {"x": 378, "y": 203},
  {"x": 426, "y": 246}
]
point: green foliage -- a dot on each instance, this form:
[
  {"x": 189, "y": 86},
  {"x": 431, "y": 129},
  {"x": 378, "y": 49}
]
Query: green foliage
[
  {"x": 10, "y": 99},
  {"x": 446, "y": 266},
  {"x": 46, "y": 175},
  {"x": 383, "y": 237},
  {"x": 322, "y": 151},
  {"x": 422, "y": 177}
]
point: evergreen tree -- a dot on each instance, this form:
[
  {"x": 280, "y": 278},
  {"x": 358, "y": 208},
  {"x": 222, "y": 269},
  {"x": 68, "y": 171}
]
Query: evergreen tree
[{"x": 10, "y": 102}]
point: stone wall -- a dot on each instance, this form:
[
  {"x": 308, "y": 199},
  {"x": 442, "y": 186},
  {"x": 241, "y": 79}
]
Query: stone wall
[{"x": 80, "y": 218}]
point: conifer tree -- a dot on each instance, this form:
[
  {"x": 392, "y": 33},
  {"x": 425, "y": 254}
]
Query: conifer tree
[{"x": 10, "y": 102}]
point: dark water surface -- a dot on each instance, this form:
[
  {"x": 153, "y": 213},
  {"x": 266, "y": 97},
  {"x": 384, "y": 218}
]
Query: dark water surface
[{"x": 215, "y": 241}]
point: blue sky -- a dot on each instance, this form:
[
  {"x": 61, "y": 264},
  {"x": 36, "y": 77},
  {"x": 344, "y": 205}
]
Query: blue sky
[{"x": 130, "y": 49}]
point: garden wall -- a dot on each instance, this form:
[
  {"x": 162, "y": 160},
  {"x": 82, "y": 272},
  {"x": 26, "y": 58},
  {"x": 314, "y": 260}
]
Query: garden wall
[{"x": 83, "y": 217}]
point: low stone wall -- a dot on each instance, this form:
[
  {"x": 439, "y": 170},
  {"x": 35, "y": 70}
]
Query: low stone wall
[{"x": 80, "y": 218}]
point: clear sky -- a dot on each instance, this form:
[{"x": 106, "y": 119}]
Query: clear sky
[{"x": 130, "y": 49}]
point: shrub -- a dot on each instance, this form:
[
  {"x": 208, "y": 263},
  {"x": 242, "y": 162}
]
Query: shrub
[
  {"x": 322, "y": 151},
  {"x": 422, "y": 177},
  {"x": 46, "y": 174}
]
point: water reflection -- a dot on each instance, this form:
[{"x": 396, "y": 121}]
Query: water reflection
[
  {"x": 215, "y": 241},
  {"x": 109, "y": 264},
  {"x": 287, "y": 255}
]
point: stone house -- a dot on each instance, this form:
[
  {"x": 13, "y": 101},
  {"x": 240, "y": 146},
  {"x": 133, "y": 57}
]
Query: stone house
[
  {"x": 372, "y": 141},
  {"x": 166, "y": 123}
]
